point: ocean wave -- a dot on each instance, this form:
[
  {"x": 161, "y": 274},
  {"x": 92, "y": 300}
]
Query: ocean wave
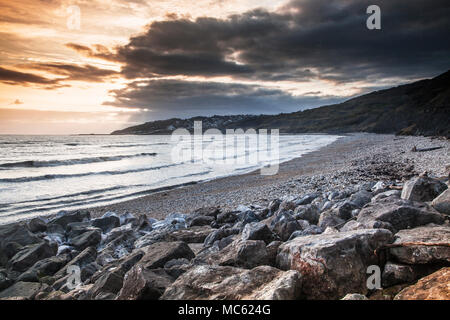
[
  {"x": 85, "y": 174},
  {"x": 135, "y": 145},
  {"x": 69, "y": 162}
]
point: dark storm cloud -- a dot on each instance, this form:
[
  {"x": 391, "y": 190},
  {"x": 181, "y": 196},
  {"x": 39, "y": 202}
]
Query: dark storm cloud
[
  {"x": 64, "y": 73},
  {"x": 328, "y": 36},
  {"x": 303, "y": 41},
  {"x": 22, "y": 78},
  {"x": 73, "y": 72},
  {"x": 166, "y": 98}
]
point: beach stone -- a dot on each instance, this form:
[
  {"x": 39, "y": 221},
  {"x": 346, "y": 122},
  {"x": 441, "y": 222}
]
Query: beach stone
[
  {"x": 442, "y": 202},
  {"x": 56, "y": 233},
  {"x": 120, "y": 246},
  {"x": 379, "y": 187},
  {"x": 37, "y": 225},
  {"x": 344, "y": 210},
  {"x": 422, "y": 189},
  {"x": 227, "y": 217},
  {"x": 86, "y": 239},
  {"x": 243, "y": 253},
  {"x": 159, "y": 235},
  {"x": 435, "y": 286},
  {"x": 64, "y": 218},
  {"x": 330, "y": 218},
  {"x": 26, "y": 290},
  {"x": 106, "y": 223},
  {"x": 219, "y": 234},
  {"x": 119, "y": 232},
  {"x": 420, "y": 254},
  {"x": 10, "y": 249},
  {"x": 284, "y": 225},
  {"x": 390, "y": 193},
  {"x": 44, "y": 267},
  {"x": 208, "y": 211},
  {"x": 286, "y": 205},
  {"x": 5, "y": 282},
  {"x": 29, "y": 255},
  {"x": 307, "y": 212},
  {"x": 248, "y": 217},
  {"x": 200, "y": 220},
  {"x": 352, "y": 225},
  {"x": 78, "y": 228},
  {"x": 258, "y": 231},
  {"x": 354, "y": 296},
  {"x": 109, "y": 283},
  {"x": 307, "y": 199},
  {"x": 143, "y": 223},
  {"x": 272, "y": 251},
  {"x": 191, "y": 235},
  {"x": 18, "y": 233},
  {"x": 395, "y": 273},
  {"x": 311, "y": 230},
  {"x": 361, "y": 198},
  {"x": 401, "y": 214},
  {"x": 274, "y": 205},
  {"x": 230, "y": 283},
  {"x": 157, "y": 254},
  {"x": 335, "y": 264},
  {"x": 143, "y": 284},
  {"x": 83, "y": 259}
]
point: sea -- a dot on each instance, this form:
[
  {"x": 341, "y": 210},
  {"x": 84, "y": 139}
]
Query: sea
[{"x": 43, "y": 175}]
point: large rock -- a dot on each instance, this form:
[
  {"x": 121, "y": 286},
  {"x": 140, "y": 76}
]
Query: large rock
[
  {"x": 219, "y": 234},
  {"x": 157, "y": 254},
  {"x": 330, "y": 218},
  {"x": 334, "y": 264},
  {"x": 395, "y": 273},
  {"x": 31, "y": 254},
  {"x": 283, "y": 224},
  {"x": 412, "y": 252},
  {"x": 82, "y": 260},
  {"x": 109, "y": 283},
  {"x": 229, "y": 283},
  {"x": 26, "y": 290},
  {"x": 192, "y": 235},
  {"x": 86, "y": 239},
  {"x": 199, "y": 220},
  {"x": 243, "y": 253},
  {"x": 361, "y": 198},
  {"x": 398, "y": 213},
  {"x": 308, "y": 212},
  {"x": 37, "y": 225},
  {"x": 258, "y": 231},
  {"x": 143, "y": 284},
  {"x": 5, "y": 282},
  {"x": 44, "y": 267},
  {"x": 442, "y": 202},
  {"x": 64, "y": 218},
  {"x": 106, "y": 223},
  {"x": 18, "y": 233},
  {"x": 76, "y": 229},
  {"x": 422, "y": 189},
  {"x": 436, "y": 286}
]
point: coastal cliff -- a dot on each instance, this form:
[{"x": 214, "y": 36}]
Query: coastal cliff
[{"x": 419, "y": 108}]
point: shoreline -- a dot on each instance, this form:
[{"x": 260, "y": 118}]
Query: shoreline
[{"x": 293, "y": 176}]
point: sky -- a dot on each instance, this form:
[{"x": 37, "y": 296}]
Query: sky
[{"x": 94, "y": 66}]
